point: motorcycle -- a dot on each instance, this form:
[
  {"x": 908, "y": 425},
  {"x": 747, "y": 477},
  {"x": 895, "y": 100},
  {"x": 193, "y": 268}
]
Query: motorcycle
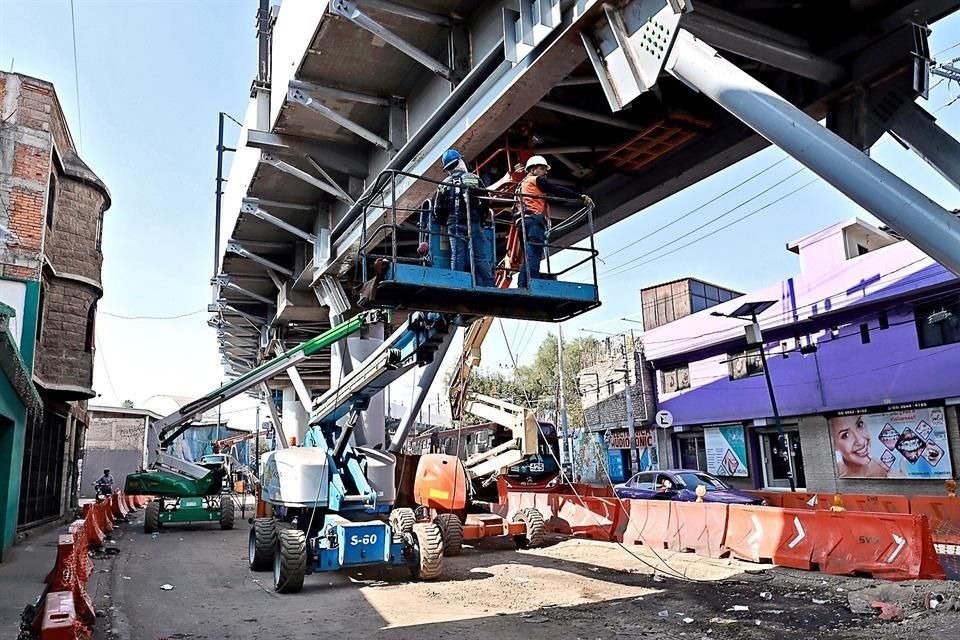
[{"x": 102, "y": 491}]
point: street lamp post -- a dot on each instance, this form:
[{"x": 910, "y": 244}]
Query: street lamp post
[{"x": 749, "y": 310}]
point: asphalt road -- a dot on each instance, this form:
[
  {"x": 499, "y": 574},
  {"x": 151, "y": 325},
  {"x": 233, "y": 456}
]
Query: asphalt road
[{"x": 572, "y": 589}]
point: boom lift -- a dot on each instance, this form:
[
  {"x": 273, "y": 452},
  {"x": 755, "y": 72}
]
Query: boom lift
[
  {"x": 188, "y": 492},
  {"x": 337, "y": 496},
  {"x": 449, "y": 489}
]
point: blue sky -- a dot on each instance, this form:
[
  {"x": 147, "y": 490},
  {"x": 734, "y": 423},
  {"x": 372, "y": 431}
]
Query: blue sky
[{"x": 154, "y": 75}]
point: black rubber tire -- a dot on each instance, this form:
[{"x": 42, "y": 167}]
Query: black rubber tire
[
  {"x": 402, "y": 520},
  {"x": 428, "y": 559},
  {"x": 290, "y": 561},
  {"x": 227, "y": 512},
  {"x": 151, "y": 519},
  {"x": 262, "y": 544},
  {"x": 536, "y": 528},
  {"x": 452, "y": 531}
]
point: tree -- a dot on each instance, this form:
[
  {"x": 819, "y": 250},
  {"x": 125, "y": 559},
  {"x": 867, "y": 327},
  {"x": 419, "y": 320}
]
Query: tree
[
  {"x": 127, "y": 404},
  {"x": 535, "y": 385}
]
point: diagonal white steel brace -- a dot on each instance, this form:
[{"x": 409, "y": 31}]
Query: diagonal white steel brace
[
  {"x": 281, "y": 438},
  {"x": 923, "y": 222},
  {"x": 302, "y": 97},
  {"x": 303, "y": 394},
  {"x": 300, "y": 174},
  {"x": 252, "y": 209},
  {"x": 344, "y": 196},
  {"x": 351, "y": 12},
  {"x": 235, "y": 247}
]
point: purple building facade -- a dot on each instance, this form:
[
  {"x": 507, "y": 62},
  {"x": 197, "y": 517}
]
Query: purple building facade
[{"x": 863, "y": 348}]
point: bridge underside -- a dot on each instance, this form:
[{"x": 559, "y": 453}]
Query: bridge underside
[{"x": 358, "y": 87}]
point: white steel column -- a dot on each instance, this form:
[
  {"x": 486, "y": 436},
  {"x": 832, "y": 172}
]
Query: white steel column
[
  {"x": 371, "y": 430},
  {"x": 427, "y": 377},
  {"x": 294, "y": 417},
  {"x": 915, "y": 216}
]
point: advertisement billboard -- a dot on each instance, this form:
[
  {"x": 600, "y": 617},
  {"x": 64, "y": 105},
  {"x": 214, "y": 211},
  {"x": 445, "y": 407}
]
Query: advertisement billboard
[
  {"x": 726, "y": 450},
  {"x": 904, "y": 441}
]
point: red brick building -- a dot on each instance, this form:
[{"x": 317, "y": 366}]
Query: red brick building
[{"x": 51, "y": 219}]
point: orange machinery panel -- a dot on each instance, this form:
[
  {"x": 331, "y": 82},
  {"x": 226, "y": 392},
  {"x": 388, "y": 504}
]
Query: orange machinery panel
[{"x": 441, "y": 482}]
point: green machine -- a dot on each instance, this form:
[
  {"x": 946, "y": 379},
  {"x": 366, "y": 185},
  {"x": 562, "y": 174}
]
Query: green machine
[
  {"x": 187, "y": 492},
  {"x": 180, "y": 496}
]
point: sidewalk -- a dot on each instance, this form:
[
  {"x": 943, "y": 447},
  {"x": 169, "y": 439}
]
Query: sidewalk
[
  {"x": 22, "y": 573},
  {"x": 21, "y": 576}
]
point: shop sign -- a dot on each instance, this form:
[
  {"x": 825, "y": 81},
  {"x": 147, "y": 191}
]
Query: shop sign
[
  {"x": 907, "y": 441},
  {"x": 726, "y": 448},
  {"x": 644, "y": 437}
]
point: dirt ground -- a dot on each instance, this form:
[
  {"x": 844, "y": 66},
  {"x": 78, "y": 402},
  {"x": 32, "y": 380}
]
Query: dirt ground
[{"x": 569, "y": 589}]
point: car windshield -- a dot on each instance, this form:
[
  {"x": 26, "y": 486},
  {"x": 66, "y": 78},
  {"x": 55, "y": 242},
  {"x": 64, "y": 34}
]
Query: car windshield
[{"x": 692, "y": 480}]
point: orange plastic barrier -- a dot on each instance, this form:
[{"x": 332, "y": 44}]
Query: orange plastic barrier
[
  {"x": 596, "y": 518},
  {"x": 699, "y": 527},
  {"x": 118, "y": 505},
  {"x": 106, "y": 515},
  {"x": 59, "y": 617},
  {"x": 866, "y": 503},
  {"x": 890, "y": 546},
  {"x": 764, "y": 534},
  {"x": 78, "y": 529},
  {"x": 129, "y": 501},
  {"x": 773, "y": 498},
  {"x": 799, "y": 500},
  {"x": 648, "y": 523},
  {"x": 95, "y": 536},
  {"x": 943, "y": 515},
  {"x": 67, "y": 576}
]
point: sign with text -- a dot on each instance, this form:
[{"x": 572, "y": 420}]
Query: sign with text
[
  {"x": 726, "y": 450},
  {"x": 646, "y": 443},
  {"x": 907, "y": 442}
]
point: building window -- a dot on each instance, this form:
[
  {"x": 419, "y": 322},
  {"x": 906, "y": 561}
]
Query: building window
[
  {"x": 746, "y": 364},
  {"x": 100, "y": 231},
  {"x": 693, "y": 452},
  {"x": 703, "y": 296},
  {"x": 676, "y": 379},
  {"x": 90, "y": 339},
  {"x": 51, "y": 198},
  {"x": 938, "y": 322}
]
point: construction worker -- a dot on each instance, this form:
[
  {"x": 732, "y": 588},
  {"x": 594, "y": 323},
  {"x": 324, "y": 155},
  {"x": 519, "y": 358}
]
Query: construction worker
[
  {"x": 459, "y": 200},
  {"x": 535, "y": 212}
]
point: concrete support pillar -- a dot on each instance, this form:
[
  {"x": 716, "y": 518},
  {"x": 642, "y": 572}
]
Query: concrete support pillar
[{"x": 294, "y": 416}]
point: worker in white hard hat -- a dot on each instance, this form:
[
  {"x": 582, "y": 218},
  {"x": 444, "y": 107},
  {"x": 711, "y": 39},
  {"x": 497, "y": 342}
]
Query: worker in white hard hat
[{"x": 535, "y": 213}]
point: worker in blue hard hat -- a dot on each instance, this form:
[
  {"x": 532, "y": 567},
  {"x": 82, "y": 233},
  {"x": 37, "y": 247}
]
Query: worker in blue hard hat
[
  {"x": 534, "y": 211},
  {"x": 460, "y": 203}
]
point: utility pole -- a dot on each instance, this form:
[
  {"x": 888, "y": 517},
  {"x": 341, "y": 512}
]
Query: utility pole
[
  {"x": 773, "y": 402},
  {"x": 562, "y": 401},
  {"x": 628, "y": 397},
  {"x": 754, "y": 337}
]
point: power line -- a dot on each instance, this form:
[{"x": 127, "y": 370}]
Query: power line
[
  {"x": 176, "y": 317},
  {"x": 103, "y": 361},
  {"x": 708, "y": 202},
  {"x": 630, "y": 265},
  {"x": 76, "y": 74}
]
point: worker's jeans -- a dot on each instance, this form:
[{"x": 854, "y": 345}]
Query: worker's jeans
[
  {"x": 482, "y": 252},
  {"x": 536, "y": 230}
]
